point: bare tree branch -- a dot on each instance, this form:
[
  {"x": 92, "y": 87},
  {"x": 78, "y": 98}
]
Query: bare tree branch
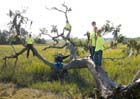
[
  {"x": 57, "y": 9},
  {"x": 67, "y": 37},
  {"x": 58, "y": 47},
  {"x": 16, "y": 54},
  {"x": 42, "y": 58},
  {"x": 136, "y": 76}
]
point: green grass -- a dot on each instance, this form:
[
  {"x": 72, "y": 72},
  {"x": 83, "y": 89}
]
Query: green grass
[{"x": 34, "y": 73}]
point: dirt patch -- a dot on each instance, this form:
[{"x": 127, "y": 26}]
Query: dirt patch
[{"x": 10, "y": 91}]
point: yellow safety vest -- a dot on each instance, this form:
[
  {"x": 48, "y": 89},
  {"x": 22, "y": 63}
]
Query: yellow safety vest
[
  {"x": 68, "y": 26},
  {"x": 92, "y": 38},
  {"x": 29, "y": 40},
  {"x": 99, "y": 44}
]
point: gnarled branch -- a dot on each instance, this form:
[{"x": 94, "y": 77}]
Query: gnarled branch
[
  {"x": 58, "y": 47},
  {"x": 16, "y": 54}
]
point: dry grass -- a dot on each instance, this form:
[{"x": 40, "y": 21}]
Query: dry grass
[{"x": 9, "y": 91}]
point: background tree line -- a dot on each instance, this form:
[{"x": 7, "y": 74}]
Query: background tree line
[{"x": 5, "y": 38}]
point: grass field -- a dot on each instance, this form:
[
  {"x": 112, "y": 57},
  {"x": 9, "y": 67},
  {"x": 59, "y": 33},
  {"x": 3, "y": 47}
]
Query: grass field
[{"x": 33, "y": 73}]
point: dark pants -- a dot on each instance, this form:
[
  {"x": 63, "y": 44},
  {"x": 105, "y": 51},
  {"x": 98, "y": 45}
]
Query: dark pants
[
  {"x": 30, "y": 47},
  {"x": 92, "y": 51},
  {"x": 58, "y": 75},
  {"x": 98, "y": 58}
]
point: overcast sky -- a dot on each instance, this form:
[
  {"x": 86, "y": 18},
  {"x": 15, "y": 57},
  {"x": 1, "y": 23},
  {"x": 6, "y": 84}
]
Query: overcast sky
[{"x": 125, "y": 12}]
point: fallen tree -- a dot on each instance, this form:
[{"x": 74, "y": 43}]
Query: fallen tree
[{"x": 106, "y": 88}]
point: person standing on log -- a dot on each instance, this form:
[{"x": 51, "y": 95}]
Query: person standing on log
[
  {"x": 92, "y": 40},
  {"x": 99, "y": 50},
  {"x": 29, "y": 42}
]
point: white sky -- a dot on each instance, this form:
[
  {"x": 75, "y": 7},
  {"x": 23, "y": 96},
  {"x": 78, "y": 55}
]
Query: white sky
[{"x": 125, "y": 12}]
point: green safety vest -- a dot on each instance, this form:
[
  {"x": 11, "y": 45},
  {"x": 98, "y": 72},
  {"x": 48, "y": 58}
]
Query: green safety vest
[
  {"x": 99, "y": 44},
  {"x": 92, "y": 38},
  {"x": 68, "y": 26},
  {"x": 29, "y": 40}
]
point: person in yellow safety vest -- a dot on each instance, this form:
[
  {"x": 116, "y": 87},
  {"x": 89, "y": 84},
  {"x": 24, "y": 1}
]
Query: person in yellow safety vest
[
  {"x": 99, "y": 50},
  {"x": 92, "y": 40},
  {"x": 29, "y": 42},
  {"x": 67, "y": 26}
]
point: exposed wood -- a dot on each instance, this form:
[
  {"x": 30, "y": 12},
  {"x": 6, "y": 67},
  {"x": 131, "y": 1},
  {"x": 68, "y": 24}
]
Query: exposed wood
[
  {"x": 16, "y": 54},
  {"x": 136, "y": 76},
  {"x": 58, "y": 47}
]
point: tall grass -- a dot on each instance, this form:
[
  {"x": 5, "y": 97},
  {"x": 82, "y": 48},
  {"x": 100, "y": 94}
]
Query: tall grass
[{"x": 34, "y": 73}]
